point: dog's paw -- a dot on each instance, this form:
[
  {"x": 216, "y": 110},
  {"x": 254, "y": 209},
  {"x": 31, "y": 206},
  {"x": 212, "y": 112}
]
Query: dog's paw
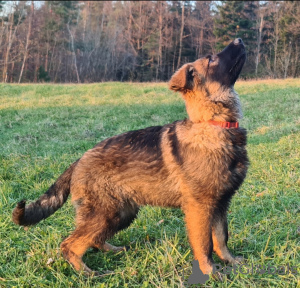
[
  {"x": 92, "y": 273},
  {"x": 239, "y": 260},
  {"x": 217, "y": 276},
  {"x": 235, "y": 260}
]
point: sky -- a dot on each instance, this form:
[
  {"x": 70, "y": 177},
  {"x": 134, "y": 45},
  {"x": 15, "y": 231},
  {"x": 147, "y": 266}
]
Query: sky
[{"x": 10, "y": 4}]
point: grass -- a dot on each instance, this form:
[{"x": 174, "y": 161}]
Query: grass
[{"x": 44, "y": 128}]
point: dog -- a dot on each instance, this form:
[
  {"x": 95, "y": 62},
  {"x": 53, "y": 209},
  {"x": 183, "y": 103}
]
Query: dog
[{"x": 196, "y": 164}]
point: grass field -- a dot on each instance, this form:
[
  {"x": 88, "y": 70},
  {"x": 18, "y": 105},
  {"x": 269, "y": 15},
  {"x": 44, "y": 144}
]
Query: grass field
[{"x": 44, "y": 128}]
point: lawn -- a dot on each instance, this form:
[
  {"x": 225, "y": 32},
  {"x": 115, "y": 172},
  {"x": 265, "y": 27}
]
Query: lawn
[{"x": 45, "y": 127}]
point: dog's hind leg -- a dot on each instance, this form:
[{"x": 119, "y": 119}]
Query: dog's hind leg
[
  {"x": 94, "y": 225},
  {"x": 106, "y": 247},
  {"x": 75, "y": 246},
  {"x": 121, "y": 219},
  {"x": 90, "y": 233}
]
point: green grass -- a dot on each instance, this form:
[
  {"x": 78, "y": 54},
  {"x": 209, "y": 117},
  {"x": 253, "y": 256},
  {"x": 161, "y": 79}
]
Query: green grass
[{"x": 44, "y": 128}]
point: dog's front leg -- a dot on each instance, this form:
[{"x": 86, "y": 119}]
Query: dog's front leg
[
  {"x": 198, "y": 219},
  {"x": 220, "y": 238}
]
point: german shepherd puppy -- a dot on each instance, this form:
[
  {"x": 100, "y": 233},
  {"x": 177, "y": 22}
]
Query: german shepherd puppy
[{"x": 196, "y": 164}]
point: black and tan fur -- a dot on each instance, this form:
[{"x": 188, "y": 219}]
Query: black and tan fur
[{"x": 188, "y": 164}]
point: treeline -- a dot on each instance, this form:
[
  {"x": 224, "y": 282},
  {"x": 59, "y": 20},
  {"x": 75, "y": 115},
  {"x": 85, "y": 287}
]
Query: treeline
[{"x": 87, "y": 41}]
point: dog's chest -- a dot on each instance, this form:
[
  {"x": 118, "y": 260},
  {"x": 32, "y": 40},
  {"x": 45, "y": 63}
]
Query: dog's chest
[{"x": 217, "y": 164}]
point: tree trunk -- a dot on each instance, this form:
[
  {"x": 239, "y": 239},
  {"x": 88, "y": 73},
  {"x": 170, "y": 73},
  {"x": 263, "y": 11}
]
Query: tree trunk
[
  {"x": 276, "y": 36},
  {"x": 9, "y": 42},
  {"x": 27, "y": 42},
  {"x": 287, "y": 58},
  {"x": 74, "y": 54},
  {"x": 11, "y": 38},
  {"x": 11, "y": 80},
  {"x": 2, "y": 31},
  {"x": 158, "y": 68},
  {"x": 201, "y": 43},
  {"x": 259, "y": 41},
  {"x": 86, "y": 12},
  {"x": 181, "y": 35},
  {"x": 46, "y": 58},
  {"x": 296, "y": 60},
  {"x": 37, "y": 65}
]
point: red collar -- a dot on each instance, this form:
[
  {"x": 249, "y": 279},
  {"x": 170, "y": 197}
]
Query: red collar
[{"x": 226, "y": 125}]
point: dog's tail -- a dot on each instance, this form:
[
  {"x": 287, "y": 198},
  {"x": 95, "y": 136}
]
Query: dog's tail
[{"x": 47, "y": 204}]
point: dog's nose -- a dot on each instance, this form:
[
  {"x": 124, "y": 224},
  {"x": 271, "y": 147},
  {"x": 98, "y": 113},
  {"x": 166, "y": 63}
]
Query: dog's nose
[{"x": 238, "y": 41}]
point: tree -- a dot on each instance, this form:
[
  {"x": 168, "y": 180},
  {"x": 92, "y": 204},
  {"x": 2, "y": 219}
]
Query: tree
[
  {"x": 201, "y": 27},
  {"x": 289, "y": 24},
  {"x": 11, "y": 35},
  {"x": 259, "y": 27},
  {"x": 281, "y": 38},
  {"x": 181, "y": 35},
  {"x": 237, "y": 19},
  {"x": 27, "y": 41},
  {"x": 91, "y": 41},
  {"x": 1, "y": 5}
]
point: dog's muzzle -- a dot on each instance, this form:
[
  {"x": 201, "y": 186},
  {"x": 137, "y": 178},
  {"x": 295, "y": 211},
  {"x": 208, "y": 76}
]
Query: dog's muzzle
[{"x": 238, "y": 41}]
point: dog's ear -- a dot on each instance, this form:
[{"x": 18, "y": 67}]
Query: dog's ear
[{"x": 184, "y": 78}]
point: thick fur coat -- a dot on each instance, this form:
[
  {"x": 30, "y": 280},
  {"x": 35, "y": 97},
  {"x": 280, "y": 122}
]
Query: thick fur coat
[{"x": 194, "y": 164}]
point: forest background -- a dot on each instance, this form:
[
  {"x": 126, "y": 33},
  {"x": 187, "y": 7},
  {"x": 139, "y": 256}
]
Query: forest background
[{"x": 88, "y": 41}]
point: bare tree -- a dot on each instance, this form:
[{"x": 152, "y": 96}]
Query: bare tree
[
  {"x": 88, "y": 41},
  {"x": 181, "y": 34},
  {"x": 27, "y": 41},
  {"x": 10, "y": 38},
  {"x": 276, "y": 37},
  {"x": 74, "y": 54},
  {"x": 160, "y": 28},
  {"x": 287, "y": 57},
  {"x": 260, "y": 22}
]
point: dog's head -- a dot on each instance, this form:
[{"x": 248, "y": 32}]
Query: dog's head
[{"x": 211, "y": 72}]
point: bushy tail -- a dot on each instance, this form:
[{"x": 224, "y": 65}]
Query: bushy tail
[{"x": 47, "y": 204}]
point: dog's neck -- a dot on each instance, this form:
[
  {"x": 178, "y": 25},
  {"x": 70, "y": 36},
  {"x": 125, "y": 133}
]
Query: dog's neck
[{"x": 223, "y": 105}]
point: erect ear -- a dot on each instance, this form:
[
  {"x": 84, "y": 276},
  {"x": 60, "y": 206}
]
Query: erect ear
[{"x": 184, "y": 78}]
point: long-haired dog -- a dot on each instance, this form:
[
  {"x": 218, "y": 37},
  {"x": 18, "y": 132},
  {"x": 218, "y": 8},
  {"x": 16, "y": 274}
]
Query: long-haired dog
[{"x": 196, "y": 164}]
